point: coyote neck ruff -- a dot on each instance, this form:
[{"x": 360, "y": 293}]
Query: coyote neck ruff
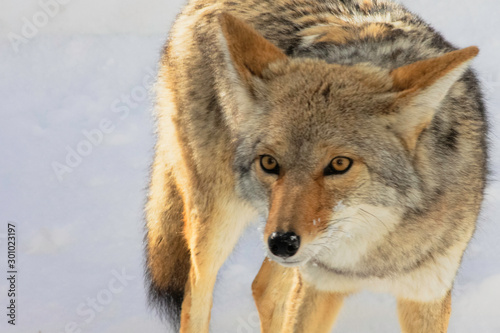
[{"x": 352, "y": 127}]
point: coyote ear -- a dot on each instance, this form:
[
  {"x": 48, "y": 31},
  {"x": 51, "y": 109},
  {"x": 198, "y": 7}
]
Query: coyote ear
[
  {"x": 422, "y": 86},
  {"x": 250, "y": 52}
]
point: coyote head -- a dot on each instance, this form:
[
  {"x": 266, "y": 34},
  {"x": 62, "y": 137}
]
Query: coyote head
[{"x": 332, "y": 155}]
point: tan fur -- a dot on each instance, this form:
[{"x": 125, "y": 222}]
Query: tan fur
[
  {"x": 366, "y": 5},
  {"x": 207, "y": 257},
  {"x": 250, "y": 52},
  {"x": 342, "y": 32},
  {"x": 424, "y": 84},
  {"x": 291, "y": 206},
  {"x": 334, "y": 34},
  {"x": 423, "y": 74},
  {"x": 273, "y": 289},
  {"x": 167, "y": 200},
  {"x": 417, "y": 317},
  {"x": 318, "y": 311},
  {"x": 286, "y": 303},
  {"x": 304, "y": 205},
  {"x": 298, "y": 84},
  {"x": 373, "y": 30}
]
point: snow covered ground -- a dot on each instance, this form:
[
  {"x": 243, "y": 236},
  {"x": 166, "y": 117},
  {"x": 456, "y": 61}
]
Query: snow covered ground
[{"x": 81, "y": 74}]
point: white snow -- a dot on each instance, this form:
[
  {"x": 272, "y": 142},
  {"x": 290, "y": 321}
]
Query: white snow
[{"x": 75, "y": 92}]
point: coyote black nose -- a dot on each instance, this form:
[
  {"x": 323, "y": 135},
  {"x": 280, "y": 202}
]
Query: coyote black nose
[{"x": 283, "y": 245}]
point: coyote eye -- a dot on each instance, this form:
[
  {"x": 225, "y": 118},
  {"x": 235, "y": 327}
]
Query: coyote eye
[
  {"x": 269, "y": 164},
  {"x": 338, "y": 166}
]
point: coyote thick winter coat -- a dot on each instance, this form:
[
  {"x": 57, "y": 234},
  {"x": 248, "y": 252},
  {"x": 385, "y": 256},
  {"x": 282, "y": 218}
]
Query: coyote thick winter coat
[{"x": 352, "y": 127}]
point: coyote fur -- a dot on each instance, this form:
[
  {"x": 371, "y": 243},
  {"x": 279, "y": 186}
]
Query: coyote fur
[{"x": 351, "y": 126}]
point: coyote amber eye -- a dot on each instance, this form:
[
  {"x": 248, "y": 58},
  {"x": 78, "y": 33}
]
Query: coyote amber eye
[
  {"x": 269, "y": 164},
  {"x": 338, "y": 165}
]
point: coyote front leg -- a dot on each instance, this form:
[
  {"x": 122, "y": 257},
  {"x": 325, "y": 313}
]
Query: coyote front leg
[
  {"x": 287, "y": 304},
  {"x": 318, "y": 310},
  {"x": 431, "y": 317},
  {"x": 211, "y": 235},
  {"x": 272, "y": 289}
]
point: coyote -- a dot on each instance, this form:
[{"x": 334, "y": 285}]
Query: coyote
[{"x": 351, "y": 126}]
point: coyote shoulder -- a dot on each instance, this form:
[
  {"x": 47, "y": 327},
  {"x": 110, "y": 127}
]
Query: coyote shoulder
[{"x": 353, "y": 128}]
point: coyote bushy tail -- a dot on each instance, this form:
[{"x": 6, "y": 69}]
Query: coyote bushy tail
[{"x": 167, "y": 255}]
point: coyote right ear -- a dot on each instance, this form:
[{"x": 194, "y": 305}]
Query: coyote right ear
[{"x": 250, "y": 52}]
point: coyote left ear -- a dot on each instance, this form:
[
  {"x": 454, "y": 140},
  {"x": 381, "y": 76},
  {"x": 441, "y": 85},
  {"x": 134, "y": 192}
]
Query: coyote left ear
[
  {"x": 421, "y": 87},
  {"x": 250, "y": 52}
]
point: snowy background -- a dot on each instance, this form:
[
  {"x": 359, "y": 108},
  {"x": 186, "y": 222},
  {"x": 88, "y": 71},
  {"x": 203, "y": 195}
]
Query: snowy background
[{"x": 84, "y": 72}]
